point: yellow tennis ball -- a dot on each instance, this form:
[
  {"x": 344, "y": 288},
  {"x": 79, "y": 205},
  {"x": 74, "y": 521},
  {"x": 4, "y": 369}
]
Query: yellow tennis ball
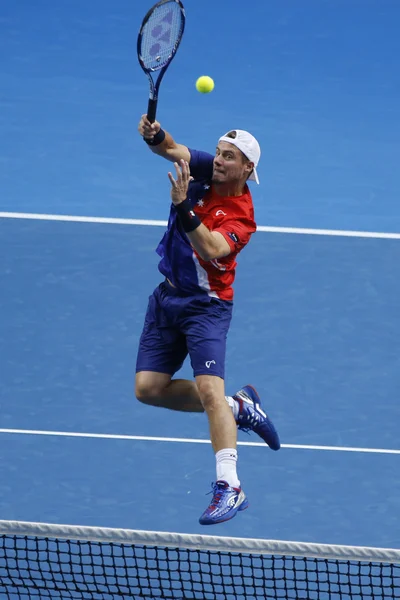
[{"x": 204, "y": 84}]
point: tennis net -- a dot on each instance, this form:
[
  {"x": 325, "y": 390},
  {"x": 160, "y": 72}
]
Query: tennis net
[{"x": 40, "y": 560}]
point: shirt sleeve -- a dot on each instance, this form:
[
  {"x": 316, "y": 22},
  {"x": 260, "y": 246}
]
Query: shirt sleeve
[
  {"x": 201, "y": 164},
  {"x": 237, "y": 232}
]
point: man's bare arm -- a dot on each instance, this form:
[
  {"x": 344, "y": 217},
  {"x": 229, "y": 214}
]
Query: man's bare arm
[
  {"x": 210, "y": 245},
  {"x": 168, "y": 148}
]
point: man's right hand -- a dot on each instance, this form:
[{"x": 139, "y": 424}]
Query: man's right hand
[
  {"x": 148, "y": 130},
  {"x": 168, "y": 149}
]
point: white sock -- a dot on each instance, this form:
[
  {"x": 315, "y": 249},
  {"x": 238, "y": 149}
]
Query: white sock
[
  {"x": 234, "y": 404},
  {"x": 226, "y": 466}
]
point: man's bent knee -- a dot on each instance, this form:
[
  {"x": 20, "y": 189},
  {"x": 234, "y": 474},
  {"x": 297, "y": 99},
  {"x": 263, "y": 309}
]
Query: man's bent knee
[{"x": 149, "y": 386}]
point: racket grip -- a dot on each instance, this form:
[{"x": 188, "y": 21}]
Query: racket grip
[{"x": 151, "y": 110}]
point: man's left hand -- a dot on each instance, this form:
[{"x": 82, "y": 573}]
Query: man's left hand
[{"x": 180, "y": 185}]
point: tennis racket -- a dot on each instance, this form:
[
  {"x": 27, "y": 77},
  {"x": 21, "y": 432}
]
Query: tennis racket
[{"x": 158, "y": 40}]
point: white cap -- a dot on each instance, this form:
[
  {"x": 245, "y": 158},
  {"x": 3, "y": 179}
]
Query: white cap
[{"x": 248, "y": 144}]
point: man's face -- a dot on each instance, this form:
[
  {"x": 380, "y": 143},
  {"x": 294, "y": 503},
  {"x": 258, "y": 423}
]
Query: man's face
[{"x": 230, "y": 165}]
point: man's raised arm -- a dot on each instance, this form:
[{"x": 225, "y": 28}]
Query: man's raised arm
[{"x": 161, "y": 142}]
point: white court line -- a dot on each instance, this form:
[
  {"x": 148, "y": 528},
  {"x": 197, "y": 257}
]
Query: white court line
[
  {"x": 78, "y": 219},
  {"x": 145, "y": 438},
  {"x": 152, "y": 223}
]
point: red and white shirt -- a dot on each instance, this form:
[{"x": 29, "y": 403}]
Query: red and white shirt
[{"x": 232, "y": 216}]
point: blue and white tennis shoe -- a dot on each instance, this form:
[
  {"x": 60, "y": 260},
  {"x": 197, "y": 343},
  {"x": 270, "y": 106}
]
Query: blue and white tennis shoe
[
  {"x": 252, "y": 418},
  {"x": 226, "y": 502}
]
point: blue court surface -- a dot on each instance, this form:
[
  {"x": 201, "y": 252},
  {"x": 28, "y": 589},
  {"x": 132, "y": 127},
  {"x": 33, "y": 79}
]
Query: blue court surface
[{"x": 316, "y": 324}]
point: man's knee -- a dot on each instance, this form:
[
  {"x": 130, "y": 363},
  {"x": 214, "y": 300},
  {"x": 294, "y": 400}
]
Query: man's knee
[
  {"x": 149, "y": 389},
  {"x": 211, "y": 392}
]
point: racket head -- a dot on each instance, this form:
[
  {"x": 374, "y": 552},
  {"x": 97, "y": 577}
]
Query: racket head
[{"x": 160, "y": 35}]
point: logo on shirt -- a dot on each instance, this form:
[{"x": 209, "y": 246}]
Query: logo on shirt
[
  {"x": 233, "y": 237},
  {"x": 209, "y": 363},
  {"x": 220, "y": 212}
]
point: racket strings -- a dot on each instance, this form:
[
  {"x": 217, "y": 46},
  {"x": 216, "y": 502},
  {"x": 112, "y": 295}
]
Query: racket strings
[{"x": 161, "y": 35}]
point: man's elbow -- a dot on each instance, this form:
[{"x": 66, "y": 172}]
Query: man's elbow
[
  {"x": 207, "y": 255},
  {"x": 210, "y": 254}
]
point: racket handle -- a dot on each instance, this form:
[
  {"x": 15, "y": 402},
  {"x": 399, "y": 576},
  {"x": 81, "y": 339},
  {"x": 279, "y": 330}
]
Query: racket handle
[{"x": 151, "y": 110}]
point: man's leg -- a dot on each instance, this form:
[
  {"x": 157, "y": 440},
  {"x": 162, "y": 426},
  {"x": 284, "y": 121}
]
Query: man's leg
[
  {"x": 206, "y": 330},
  {"x": 223, "y": 429},
  {"x": 158, "y": 389},
  {"x": 228, "y": 497}
]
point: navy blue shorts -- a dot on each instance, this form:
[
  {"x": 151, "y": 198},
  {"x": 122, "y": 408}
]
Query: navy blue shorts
[{"x": 177, "y": 325}]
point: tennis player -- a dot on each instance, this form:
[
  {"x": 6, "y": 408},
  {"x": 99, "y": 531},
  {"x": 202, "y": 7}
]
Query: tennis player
[{"x": 211, "y": 220}]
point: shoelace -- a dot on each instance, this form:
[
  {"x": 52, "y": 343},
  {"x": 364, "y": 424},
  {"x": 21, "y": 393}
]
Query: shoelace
[{"x": 217, "y": 496}]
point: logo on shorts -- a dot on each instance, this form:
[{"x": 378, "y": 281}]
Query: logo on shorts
[{"x": 209, "y": 363}]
